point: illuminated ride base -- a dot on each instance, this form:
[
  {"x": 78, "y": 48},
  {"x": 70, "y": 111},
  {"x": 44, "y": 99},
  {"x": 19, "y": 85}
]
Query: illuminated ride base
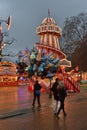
[
  {"x": 8, "y": 76},
  {"x": 8, "y": 80}
]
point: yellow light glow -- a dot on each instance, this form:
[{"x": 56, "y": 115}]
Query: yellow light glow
[{"x": 0, "y": 28}]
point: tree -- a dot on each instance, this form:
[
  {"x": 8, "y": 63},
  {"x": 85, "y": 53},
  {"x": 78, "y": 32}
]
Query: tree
[
  {"x": 74, "y": 38},
  {"x": 79, "y": 57},
  {"x": 3, "y": 36}
]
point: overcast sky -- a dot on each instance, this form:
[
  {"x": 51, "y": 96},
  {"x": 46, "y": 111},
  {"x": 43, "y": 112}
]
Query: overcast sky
[{"x": 28, "y": 14}]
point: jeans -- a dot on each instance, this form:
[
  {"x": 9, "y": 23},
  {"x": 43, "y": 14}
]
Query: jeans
[
  {"x": 56, "y": 105},
  {"x": 38, "y": 99}
]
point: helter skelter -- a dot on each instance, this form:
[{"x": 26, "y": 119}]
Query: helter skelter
[{"x": 49, "y": 34}]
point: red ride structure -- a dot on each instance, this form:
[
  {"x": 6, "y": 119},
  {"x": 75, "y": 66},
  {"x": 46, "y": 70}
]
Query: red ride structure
[{"x": 49, "y": 34}]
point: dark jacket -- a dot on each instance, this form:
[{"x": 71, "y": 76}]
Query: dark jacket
[
  {"x": 55, "y": 90},
  {"x": 62, "y": 93},
  {"x": 37, "y": 87}
]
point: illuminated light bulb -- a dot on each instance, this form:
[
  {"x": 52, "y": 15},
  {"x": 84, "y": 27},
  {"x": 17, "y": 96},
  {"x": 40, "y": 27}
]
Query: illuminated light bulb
[
  {"x": 4, "y": 44},
  {"x": 0, "y": 27}
]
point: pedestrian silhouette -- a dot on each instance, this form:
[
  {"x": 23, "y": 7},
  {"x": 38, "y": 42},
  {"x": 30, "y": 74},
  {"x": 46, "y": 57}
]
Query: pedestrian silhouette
[
  {"x": 62, "y": 95},
  {"x": 55, "y": 91},
  {"x": 37, "y": 88}
]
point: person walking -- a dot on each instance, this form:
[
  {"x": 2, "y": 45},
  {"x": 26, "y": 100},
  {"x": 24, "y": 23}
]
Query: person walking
[
  {"x": 37, "y": 88},
  {"x": 62, "y": 95},
  {"x": 55, "y": 91}
]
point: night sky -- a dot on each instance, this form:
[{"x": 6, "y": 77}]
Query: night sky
[{"x": 28, "y": 14}]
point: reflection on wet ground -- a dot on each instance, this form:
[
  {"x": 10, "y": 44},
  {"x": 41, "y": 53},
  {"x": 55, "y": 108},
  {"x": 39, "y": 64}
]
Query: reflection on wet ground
[
  {"x": 19, "y": 98},
  {"x": 12, "y": 98}
]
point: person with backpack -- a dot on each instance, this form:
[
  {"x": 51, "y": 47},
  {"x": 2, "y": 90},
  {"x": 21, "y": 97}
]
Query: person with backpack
[{"x": 37, "y": 88}]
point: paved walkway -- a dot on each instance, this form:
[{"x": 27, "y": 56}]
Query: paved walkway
[{"x": 16, "y": 113}]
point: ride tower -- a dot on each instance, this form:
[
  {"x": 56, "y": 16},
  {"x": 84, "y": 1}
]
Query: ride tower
[{"x": 49, "y": 33}]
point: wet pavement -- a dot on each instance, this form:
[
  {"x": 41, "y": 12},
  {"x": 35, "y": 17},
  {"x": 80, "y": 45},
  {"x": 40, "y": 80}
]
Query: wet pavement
[{"x": 16, "y": 111}]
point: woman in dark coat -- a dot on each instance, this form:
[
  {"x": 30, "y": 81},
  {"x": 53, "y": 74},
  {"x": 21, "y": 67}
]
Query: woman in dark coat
[{"x": 62, "y": 95}]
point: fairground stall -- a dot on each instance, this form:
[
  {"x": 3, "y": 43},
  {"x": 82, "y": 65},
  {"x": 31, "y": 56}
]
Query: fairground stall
[{"x": 8, "y": 76}]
